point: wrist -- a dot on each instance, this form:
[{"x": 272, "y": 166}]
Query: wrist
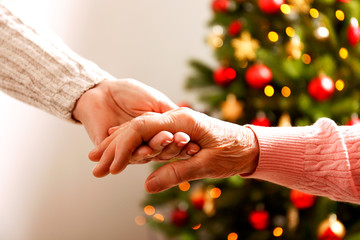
[
  {"x": 82, "y": 104},
  {"x": 251, "y": 151}
]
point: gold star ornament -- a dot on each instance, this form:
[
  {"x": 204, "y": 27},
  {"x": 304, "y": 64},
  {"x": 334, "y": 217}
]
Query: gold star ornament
[
  {"x": 300, "y": 6},
  {"x": 232, "y": 109},
  {"x": 245, "y": 47}
]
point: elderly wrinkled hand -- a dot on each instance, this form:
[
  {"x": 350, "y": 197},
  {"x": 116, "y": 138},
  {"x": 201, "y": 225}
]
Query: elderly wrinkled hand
[{"x": 226, "y": 149}]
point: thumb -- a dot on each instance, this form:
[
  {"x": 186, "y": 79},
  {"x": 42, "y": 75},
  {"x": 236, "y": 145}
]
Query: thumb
[
  {"x": 166, "y": 104},
  {"x": 96, "y": 132},
  {"x": 97, "y": 128},
  {"x": 174, "y": 173}
]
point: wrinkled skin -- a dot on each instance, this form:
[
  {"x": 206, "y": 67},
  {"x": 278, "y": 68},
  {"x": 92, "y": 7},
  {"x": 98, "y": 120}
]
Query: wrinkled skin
[{"x": 226, "y": 149}]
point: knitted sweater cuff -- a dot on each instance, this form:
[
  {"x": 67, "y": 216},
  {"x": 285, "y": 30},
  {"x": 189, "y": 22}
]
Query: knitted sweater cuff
[{"x": 281, "y": 154}]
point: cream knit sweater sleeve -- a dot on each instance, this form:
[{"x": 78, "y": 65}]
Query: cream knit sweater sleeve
[
  {"x": 40, "y": 72},
  {"x": 323, "y": 159}
]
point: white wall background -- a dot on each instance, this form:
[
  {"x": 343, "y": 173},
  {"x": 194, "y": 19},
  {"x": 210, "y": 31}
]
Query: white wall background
[{"x": 47, "y": 190}]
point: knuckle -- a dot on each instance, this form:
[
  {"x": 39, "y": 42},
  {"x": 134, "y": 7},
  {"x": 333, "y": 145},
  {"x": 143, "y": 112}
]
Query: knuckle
[
  {"x": 147, "y": 114},
  {"x": 179, "y": 178},
  {"x": 137, "y": 123},
  {"x": 186, "y": 114}
]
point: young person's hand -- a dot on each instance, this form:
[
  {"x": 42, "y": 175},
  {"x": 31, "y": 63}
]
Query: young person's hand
[{"x": 114, "y": 102}]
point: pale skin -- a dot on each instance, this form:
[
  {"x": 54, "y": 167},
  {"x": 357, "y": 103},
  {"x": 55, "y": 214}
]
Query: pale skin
[
  {"x": 114, "y": 102},
  {"x": 226, "y": 149}
]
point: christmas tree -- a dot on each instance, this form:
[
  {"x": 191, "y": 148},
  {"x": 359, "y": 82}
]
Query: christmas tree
[{"x": 280, "y": 63}]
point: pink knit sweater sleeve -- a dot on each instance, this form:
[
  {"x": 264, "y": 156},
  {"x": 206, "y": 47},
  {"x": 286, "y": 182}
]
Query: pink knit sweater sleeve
[{"x": 322, "y": 159}]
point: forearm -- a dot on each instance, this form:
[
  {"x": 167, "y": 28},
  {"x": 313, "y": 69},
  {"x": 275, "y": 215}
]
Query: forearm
[
  {"x": 45, "y": 74},
  {"x": 321, "y": 159}
]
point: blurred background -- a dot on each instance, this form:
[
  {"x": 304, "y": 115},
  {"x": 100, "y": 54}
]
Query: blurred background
[{"x": 47, "y": 190}]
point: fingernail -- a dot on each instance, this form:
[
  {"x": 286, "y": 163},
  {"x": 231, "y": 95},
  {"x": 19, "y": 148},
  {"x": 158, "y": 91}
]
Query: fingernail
[
  {"x": 181, "y": 144},
  {"x": 191, "y": 152},
  {"x": 167, "y": 142},
  {"x": 152, "y": 185},
  {"x": 148, "y": 156}
]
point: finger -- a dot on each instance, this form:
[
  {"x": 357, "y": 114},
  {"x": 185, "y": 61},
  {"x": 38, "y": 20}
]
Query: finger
[
  {"x": 174, "y": 173},
  {"x": 119, "y": 163},
  {"x": 102, "y": 168},
  {"x": 143, "y": 128},
  {"x": 126, "y": 143},
  {"x": 160, "y": 141},
  {"x": 153, "y": 147},
  {"x": 112, "y": 130},
  {"x": 97, "y": 152},
  {"x": 141, "y": 155},
  {"x": 173, "y": 149},
  {"x": 188, "y": 151}
]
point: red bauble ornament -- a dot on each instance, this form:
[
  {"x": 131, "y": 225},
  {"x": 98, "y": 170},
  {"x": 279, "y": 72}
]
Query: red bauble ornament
[
  {"x": 198, "y": 202},
  {"x": 220, "y": 5},
  {"x": 259, "y": 220},
  {"x": 329, "y": 235},
  {"x": 258, "y": 75},
  {"x": 321, "y": 88},
  {"x": 270, "y": 6},
  {"x": 224, "y": 76},
  {"x": 235, "y": 28},
  {"x": 302, "y": 200},
  {"x": 344, "y": 1},
  {"x": 261, "y": 121},
  {"x": 353, "y": 121},
  {"x": 331, "y": 229},
  {"x": 353, "y": 32},
  {"x": 179, "y": 217}
]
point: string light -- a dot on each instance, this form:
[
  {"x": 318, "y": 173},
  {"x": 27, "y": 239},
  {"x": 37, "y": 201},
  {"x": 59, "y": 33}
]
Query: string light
[
  {"x": 140, "y": 220},
  {"x": 306, "y": 58},
  {"x": 286, "y": 91},
  {"x": 218, "y": 30},
  {"x": 269, "y": 91},
  {"x": 343, "y": 53},
  {"x": 273, "y": 36},
  {"x": 149, "y": 210},
  {"x": 340, "y": 85},
  {"x": 216, "y": 41},
  {"x": 158, "y": 217},
  {"x": 196, "y": 227},
  {"x": 185, "y": 186},
  {"x": 278, "y": 232},
  {"x": 314, "y": 13},
  {"x": 340, "y": 15},
  {"x": 290, "y": 31},
  {"x": 322, "y": 33},
  {"x": 285, "y": 9},
  {"x": 215, "y": 192},
  {"x": 232, "y": 236}
]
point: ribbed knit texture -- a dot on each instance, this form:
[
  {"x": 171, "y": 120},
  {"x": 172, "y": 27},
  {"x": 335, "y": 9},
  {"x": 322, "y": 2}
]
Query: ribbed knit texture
[
  {"x": 43, "y": 73},
  {"x": 323, "y": 159}
]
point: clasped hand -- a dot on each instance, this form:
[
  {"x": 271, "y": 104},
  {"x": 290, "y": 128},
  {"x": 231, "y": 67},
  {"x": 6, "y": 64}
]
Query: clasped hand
[{"x": 226, "y": 149}]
